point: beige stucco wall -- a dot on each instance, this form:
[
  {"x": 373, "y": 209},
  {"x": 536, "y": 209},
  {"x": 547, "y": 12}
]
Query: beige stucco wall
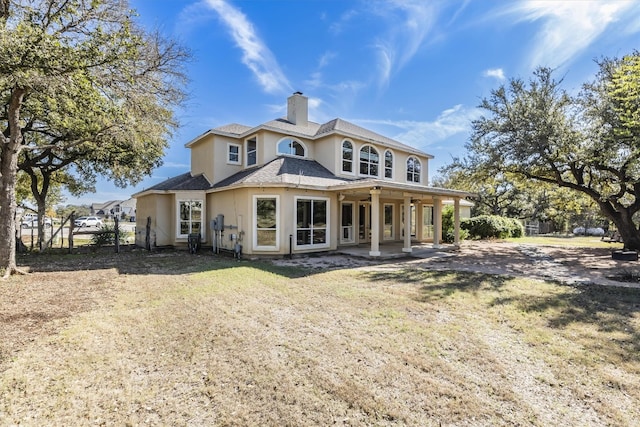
[
  {"x": 270, "y": 142},
  {"x": 237, "y": 208},
  {"x": 159, "y": 208},
  {"x": 328, "y": 153},
  {"x": 233, "y": 205},
  {"x": 202, "y": 155}
]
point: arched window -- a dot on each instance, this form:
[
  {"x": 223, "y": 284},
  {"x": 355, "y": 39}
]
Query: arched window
[
  {"x": 388, "y": 164},
  {"x": 369, "y": 161},
  {"x": 347, "y": 156},
  {"x": 291, "y": 147},
  {"x": 413, "y": 169}
]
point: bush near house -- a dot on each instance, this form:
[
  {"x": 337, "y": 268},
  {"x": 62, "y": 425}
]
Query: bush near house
[
  {"x": 448, "y": 230},
  {"x": 492, "y": 226}
]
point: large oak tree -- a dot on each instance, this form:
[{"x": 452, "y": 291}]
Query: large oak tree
[
  {"x": 83, "y": 85},
  {"x": 588, "y": 143}
]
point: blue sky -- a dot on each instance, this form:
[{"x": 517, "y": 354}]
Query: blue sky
[{"x": 413, "y": 70}]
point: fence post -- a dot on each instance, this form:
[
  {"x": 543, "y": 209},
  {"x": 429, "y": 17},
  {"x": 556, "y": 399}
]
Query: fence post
[
  {"x": 71, "y": 224},
  {"x": 116, "y": 232},
  {"x": 147, "y": 237}
]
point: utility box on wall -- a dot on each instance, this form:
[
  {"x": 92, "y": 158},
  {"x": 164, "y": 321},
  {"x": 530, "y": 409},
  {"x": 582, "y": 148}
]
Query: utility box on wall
[{"x": 218, "y": 223}]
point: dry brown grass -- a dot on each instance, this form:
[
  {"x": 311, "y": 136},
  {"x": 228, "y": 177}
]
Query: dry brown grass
[{"x": 173, "y": 339}]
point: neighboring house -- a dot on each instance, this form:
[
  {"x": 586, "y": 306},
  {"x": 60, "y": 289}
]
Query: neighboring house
[
  {"x": 114, "y": 208},
  {"x": 294, "y": 186}
]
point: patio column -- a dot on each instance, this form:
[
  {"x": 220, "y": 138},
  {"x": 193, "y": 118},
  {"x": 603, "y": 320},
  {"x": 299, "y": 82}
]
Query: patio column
[
  {"x": 375, "y": 222},
  {"x": 437, "y": 222},
  {"x": 456, "y": 222},
  {"x": 407, "y": 225}
]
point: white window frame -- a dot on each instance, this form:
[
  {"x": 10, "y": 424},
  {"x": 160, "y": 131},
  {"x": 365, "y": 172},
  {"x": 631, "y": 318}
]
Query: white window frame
[
  {"x": 352, "y": 227},
  {"x": 327, "y": 243},
  {"x": 419, "y": 173},
  {"x": 254, "y": 225},
  {"x": 427, "y": 227},
  {"x": 368, "y": 162},
  {"x": 413, "y": 213},
  {"x": 304, "y": 148},
  {"x": 246, "y": 151},
  {"x": 384, "y": 162},
  {"x": 384, "y": 221},
  {"x": 353, "y": 157},
  {"x": 239, "y": 154},
  {"x": 202, "y": 219}
]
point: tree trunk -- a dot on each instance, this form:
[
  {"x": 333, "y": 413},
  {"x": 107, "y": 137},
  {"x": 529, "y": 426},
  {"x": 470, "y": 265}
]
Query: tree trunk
[
  {"x": 623, "y": 219},
  {"x": 8, "y": 169},
  {"x": 9, "y": 151}
]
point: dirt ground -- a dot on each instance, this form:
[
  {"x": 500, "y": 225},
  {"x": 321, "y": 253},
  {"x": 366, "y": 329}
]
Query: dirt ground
[
  {"x": 62, "y": 289},
  {"x": 60, "y": 286}
]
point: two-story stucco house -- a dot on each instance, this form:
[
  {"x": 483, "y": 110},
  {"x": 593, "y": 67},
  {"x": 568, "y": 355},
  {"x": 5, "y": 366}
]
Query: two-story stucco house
[{"x": 292, "y": 186}]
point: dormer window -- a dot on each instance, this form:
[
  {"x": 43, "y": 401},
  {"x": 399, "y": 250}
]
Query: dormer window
[
  {"x": 233, "y": 154},
  {"x": 291, "y": 147},
  {"x": 388, "y": 164},
  {"x": 369, "y": 161},
  {"x": 252, "y": 151},
  {"x": 347, "y": 156},
  {"x": 413, "y": 169}
]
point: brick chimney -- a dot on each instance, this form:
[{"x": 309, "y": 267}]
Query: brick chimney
[{"x": 298, "y": 109}]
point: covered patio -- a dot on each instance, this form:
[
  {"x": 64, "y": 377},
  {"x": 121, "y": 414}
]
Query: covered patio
[{"x": 390, "y": 219}]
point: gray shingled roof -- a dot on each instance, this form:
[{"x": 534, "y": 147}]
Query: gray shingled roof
[
  {"x": 184, "y": 182},
  {"x": 233, "y": 128},
  {"x": 314, "y": 131},
  {"x": 285, "y": 170}
]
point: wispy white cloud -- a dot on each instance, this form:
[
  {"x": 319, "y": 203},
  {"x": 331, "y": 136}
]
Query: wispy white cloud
[
  {"x": 497, "y": 73},
  {"x": 568, "y": 27},
  {"x": 409, "y": 22},
  {"x": 338, "y": 26},
  {"x": 256, "y": 55},
  {"x": 419, "y": 134},
  {"x": 176, "y": 165}
]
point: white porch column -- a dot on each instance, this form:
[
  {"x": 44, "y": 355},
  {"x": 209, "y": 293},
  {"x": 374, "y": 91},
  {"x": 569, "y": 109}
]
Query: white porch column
[
  {"x": 437, "y": 222},
  {"x": 456, "y": 222},
  {"x": 375, "y": 222},
  {"x": 407, "y": 225}
]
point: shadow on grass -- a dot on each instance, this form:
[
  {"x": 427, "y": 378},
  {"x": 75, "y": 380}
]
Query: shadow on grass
[
  {"x": 142, "y": 262},
  {"x": 439, "y": 284},
  {"x": 612, "y": 310}
]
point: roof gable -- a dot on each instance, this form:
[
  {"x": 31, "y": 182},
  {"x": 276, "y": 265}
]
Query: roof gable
[
  {"x": 284, "y": 170},
  {"x": 310, "y": 130},
  {"x": 184, "y": 182}
]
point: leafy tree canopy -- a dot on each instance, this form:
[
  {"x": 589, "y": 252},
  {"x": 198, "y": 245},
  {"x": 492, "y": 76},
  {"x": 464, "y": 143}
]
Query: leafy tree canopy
[
  {"x": 588, "y": 143},
  {"x": 83, "y": 85}
]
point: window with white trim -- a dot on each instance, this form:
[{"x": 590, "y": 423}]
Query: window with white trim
[
  {"x": 312, "y": 222},
  {"x": 291, "y": 147},
  {"x": 346, "y": 221},
  {"x": 388, "y": 164},
  {"x": 233, "y": 154},
  {"x": 190, "y": 217},
  {"x": 266, "y": 224},
  {"x": 388, "y": 222},
  {"x": 369, "y": 161},
  {"x": 347, "y": 156},
  {"x": 413, "y": 169},
  {"x": 251, "y": 151}
]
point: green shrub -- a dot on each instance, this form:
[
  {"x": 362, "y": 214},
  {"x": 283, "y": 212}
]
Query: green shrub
[
  {"x": 492, "y": 226},
  {"x": 448, "y": 228},
  {"x": 107, "y": 236}
]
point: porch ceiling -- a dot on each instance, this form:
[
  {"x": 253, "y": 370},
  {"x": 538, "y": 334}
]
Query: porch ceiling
[{"x": 396, "y": 191}]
